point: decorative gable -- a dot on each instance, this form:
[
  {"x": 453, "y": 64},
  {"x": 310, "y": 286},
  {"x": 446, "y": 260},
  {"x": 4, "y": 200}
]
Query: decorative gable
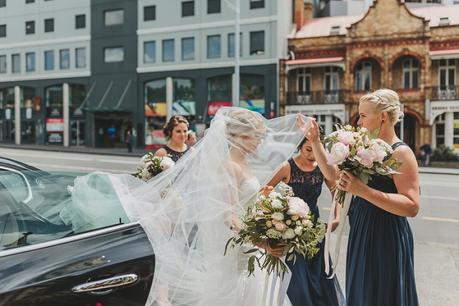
[{"x": 388, "y": 19}]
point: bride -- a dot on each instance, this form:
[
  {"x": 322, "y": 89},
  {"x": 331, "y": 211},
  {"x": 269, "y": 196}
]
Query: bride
[{"x": 190, "y": 211}]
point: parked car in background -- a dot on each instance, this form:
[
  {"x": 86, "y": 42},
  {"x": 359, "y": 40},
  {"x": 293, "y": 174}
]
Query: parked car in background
[{"x": 47, "y": 259}]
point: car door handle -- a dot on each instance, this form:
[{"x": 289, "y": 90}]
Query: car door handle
[{"x": 106, "y": 285}]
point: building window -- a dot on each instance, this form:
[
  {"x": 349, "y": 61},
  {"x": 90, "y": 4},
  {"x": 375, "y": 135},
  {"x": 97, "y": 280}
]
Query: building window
[
  {"x": 331, "y": 79},
  {"x": 30, "y": 27},
  {"x": 149, "y": 13},
  {"x": 187, "y": 8},
  {"x": 80, "y": 57},
  {"x": 410, "y": 73},
  {"x": 168, "y": 50},
  {"x": 213, "y": 46},
  {"x": 188, "y": 48},
  {"x": 2, "y": 30},
  {"x": 64, "y": 59},
  {"x": 304, "y": 81},
  {"x": 363, "y": 76},
  {"x": 49, "y": 60},
  {"x": 30, "y": 61},
  {"x": 80, "y": 21},
  {"x": 15, "y": 63},
  {"x": 439, "y": 128},
  {"x": 113, "y": 17},
  {"x": 2, "y": 3},
  {"x": 113, "y": 54},
  {"x": 447, "y": 74},
  {"x": 29, "y": 1},
  {"x": 256, "y": 4},
  {"x": 214, "y": 6},
  {"x": 257, "y": 43},
  {"x": 231, "y": 44},
  {"x": 2, "y": 63},
  {"x": 149, "y": 51},
  {"x": 49, "y": 25}
]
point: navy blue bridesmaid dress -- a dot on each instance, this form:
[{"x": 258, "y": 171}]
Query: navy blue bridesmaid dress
[
  {"x": 309, "y": 285},
  {"x": 380, "y": 267}
]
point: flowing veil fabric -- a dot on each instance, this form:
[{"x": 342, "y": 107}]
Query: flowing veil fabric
[{"x": 187, "y": 211}]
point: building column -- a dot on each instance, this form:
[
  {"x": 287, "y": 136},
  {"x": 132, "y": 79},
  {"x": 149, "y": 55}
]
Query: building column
[
  {"x": 66, "y": 105},
  {"x": 449, "y": 129},
  {"x": 169, "y": 97},
  {"x": 17, "y": 115},
  {"x": 328, "y": 124}
]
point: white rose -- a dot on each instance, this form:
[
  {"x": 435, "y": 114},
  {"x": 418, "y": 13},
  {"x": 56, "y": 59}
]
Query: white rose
[
  {"x": 294, "y": 217},
  {"x": 272, "y": 233},
  {"x": 298, "y": 230},
  {"x": 288, "y": 234},
  {"x": 273, "y": 195},
  {"x": 277, "y": 204},
  {"x": 307, "y": 223},
  {"x": 269, "y": 224},
  {"x": 298, "y": 207},
  {"x": 166, "y": 163},
  {"x": 288, "y": 222},
  {"x": 346, "y": 137},
  {"x": 278, "y": 216},
  {"x": 338, "y": 153}
]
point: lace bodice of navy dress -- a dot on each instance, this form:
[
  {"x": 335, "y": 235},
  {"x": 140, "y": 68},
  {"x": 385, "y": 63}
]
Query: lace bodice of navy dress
[
  {"x": 175, "y": 155},
  {"x": 306, "y": 185}
]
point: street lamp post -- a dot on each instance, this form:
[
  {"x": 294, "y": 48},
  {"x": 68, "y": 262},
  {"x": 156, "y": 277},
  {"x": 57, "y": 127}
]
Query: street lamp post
[{"x": 236, "y": 7}]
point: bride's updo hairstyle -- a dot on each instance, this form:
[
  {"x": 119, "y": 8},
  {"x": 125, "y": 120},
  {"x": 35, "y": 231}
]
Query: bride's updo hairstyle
[
  {"x": 385, "y": 100},
  {"x": 242, "y": 122}
]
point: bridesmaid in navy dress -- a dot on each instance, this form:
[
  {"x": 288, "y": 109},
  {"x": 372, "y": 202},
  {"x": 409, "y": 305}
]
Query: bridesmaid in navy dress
[
  {"x": 380, "y": 267},
  {"x": 176, "y": 132},
  {"x": 309, "y": 285}
]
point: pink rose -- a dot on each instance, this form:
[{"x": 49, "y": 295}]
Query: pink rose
[
  {"x": 338, "y": 153},
  {"x": 366, "y": 157},
  {"x": 346, "y": 137},
  {"x": 298, "y": 207}
]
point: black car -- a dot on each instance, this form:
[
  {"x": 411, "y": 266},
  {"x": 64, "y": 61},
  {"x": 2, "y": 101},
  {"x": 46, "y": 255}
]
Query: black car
[{"x": 45, "y": 259}]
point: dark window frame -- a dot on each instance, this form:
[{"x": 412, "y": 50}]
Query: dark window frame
[
  {"x": 149, "y": 13},
  {"x": 49, "y": 25},
  {"x": 3, "y": 30},
  {"x": 253, "y": 49},
  {"x": 188, "y": 11},
  {"x": 30, "y": 30},
  {"x": 80, "y": 21},
  {"x": 2, "y": 3},
  {"x": 257, "y": 4},
  {"x": 214, "y": 6}
]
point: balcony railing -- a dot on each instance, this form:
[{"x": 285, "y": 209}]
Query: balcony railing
[
  {"x": 315, "y": 97},
  {"x": 450, "y": 92}
]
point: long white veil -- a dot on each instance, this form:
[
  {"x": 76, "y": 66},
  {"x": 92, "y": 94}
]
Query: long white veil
[{"x": 187, "y": 210}]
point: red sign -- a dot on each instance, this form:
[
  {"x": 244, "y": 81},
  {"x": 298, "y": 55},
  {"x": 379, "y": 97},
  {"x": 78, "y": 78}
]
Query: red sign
[
  {"x": 214, "y": 106},
  {"x": 55, "y": 125}
]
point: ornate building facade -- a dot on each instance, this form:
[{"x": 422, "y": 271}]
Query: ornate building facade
[{"x": 415, "y": 51}]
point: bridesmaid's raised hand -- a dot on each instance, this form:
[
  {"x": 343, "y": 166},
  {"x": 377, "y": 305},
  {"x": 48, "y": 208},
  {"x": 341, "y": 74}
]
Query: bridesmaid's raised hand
[{"x": 313, "y": 134}]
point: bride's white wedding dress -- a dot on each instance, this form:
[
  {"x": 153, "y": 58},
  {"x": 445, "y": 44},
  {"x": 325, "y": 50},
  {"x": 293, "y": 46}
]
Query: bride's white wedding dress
[{"x": 185, "y": 211}]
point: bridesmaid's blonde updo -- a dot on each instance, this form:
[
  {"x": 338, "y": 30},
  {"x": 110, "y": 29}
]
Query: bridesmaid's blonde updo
[{"x": 385, "y": 100}]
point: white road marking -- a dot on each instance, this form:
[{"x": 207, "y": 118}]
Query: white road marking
[{"x": 441, "y": 219}]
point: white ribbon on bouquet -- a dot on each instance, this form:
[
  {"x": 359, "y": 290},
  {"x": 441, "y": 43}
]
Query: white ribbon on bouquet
[
  {"x": 339, "y": 232},
  {"x": 277, "y": 284}
]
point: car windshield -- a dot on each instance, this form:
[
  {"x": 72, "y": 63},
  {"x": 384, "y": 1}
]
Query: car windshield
[{"x": 38, "y": 206}]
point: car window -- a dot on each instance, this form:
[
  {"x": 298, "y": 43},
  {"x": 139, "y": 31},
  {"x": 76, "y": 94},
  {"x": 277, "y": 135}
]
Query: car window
[
  {"x": 39, "y": 206},
  {"x": 16, "y": 184}
]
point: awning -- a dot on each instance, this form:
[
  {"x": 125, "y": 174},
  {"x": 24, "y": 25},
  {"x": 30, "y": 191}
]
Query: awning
[
  {"x": 444, "y": 54},
  {"x": 316, "y": 62},
  {"x": 112, "y": 99}
]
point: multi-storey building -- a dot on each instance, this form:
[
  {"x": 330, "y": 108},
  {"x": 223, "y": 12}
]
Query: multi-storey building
[
  {"x": 415, "y": 51},
  {"x": 72, "y": 70}
]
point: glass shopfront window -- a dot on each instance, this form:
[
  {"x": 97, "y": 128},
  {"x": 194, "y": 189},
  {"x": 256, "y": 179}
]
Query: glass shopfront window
[
  {"x": 54, "y": 114},
  {"x": 184, "y": 100},
  {"x": 218, "y": 94},
  {"x": 155, "y": 113},
  {"x": 77, "y": 122},
  {"x": 7, "y": 132},
  {"x": 28, "y": 114},
  {"x": 252, "y": 92}
]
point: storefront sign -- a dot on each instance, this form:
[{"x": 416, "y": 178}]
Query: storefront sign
[
  {"x": 55, "y": 125},
  {"x": 214, "y": 106},
  {"x": 155, "y": 110}
]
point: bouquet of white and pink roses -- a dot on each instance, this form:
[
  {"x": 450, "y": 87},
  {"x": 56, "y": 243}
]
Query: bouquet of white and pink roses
[
  {"x": 151, "y": 165},
  {"x": 278, "y": 219},
  {"x": 357, "y": 151}
]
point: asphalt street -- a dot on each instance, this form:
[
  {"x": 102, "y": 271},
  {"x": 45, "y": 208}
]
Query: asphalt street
[{"x": 435, "y": 229}]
